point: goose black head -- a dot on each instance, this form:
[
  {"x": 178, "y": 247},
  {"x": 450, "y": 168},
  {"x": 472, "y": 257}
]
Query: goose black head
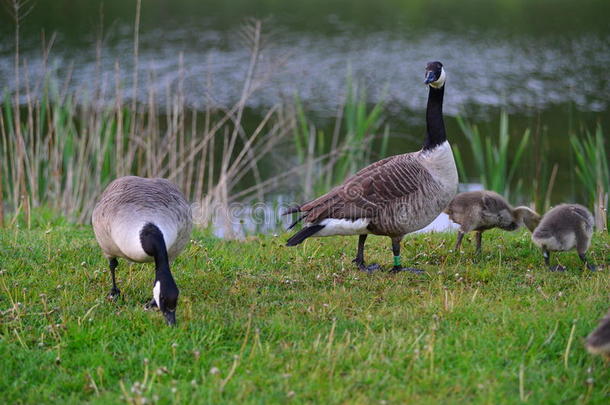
[
  {"x": 165, "y": 291},
  {"x": 435, "y": 75},
  {"x": 165, "y": 294}
]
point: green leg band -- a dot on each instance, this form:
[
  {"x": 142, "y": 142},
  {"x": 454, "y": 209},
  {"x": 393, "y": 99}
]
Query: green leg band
[{"x": 397, "y": 261}]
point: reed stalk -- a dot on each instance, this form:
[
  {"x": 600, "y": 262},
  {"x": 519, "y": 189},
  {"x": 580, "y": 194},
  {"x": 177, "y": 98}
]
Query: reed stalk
[
  {"x": 589, "y": 151},
  {"x": 60, "y": 149},
  {"x": 494, "y": 162}
]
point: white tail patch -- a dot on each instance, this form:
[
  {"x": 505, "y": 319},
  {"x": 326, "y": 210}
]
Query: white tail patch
[
  {"x": 157, "y": 293},
  {"x": 334, "y": 226}
]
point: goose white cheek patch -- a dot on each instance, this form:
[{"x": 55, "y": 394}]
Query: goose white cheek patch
[
  {"x": 157, "y": 293},
  {"x": 441, "y": 80}
]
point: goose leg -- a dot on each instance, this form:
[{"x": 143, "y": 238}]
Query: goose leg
[
  {"x": 479, "y": 241},
  {"x": 151, "y": 304},
  {"x": 547, "y": 261},
  {"x": 397, "y": 267},
  {"x": 590, "y": 266},
  {"x": 114, "y": 291},
  {"x": 359, "y": 260},
  {"x": 458, "y": 243}
]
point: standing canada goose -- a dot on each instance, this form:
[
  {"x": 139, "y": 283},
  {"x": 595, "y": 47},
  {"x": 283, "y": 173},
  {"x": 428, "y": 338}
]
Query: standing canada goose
[
  {"x": 144, "y": 220},
  {"x": 394, "y": 196},
  {"x": 482, "y": 210},
  {"x": 598, "y": 342},
  {"x": 565, "y": 227}
]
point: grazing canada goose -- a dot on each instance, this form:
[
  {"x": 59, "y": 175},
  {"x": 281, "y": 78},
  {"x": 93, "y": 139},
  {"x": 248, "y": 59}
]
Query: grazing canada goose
[
  {"x": 482, "y": 210},
  {"x": 565, "y": 227},
  {"x": 598, "y": 342},
  {"x": 394, "y": 196},
  {"x": 144, "y": 220}
]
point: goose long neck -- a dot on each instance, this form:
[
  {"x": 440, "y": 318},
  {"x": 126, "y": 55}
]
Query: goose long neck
[
  {"x": 435, "y": 126},
  {"x": 153, "y": 244}
]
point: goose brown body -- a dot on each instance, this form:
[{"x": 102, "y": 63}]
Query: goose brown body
[{"x": 394, "y": 196}]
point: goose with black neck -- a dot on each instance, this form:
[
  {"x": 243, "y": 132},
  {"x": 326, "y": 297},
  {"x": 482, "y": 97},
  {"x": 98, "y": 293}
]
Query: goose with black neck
[
  {"x": 394, "y": 196},
  {"x": 144, "y": 220}
]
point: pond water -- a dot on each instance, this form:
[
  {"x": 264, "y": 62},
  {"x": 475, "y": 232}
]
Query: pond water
[{"x": 545, "y": 62}]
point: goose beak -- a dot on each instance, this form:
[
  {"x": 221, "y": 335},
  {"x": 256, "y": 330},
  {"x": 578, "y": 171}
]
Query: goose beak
[
  {"x": 429, "y": 77},
  {"x": 170, "y": 317}
]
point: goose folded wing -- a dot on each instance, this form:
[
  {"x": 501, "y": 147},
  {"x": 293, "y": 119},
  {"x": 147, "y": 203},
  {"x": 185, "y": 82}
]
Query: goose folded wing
[{"x": 370, "y": 190}]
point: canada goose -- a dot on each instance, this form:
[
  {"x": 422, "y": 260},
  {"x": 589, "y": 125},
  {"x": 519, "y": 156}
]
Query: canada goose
[
  {"x": 598, "y": 342},
  {"x": 565, "y": 227},
  {"x": 482, "y": 210},
  {"x": 393, "y": 196},
  {"x": 144, "y": 220}
]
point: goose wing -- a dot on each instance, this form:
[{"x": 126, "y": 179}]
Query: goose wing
[{"x": 370, "y": 190}]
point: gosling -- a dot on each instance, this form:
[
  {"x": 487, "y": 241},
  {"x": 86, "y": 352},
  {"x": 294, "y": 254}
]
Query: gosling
[
  {"x": 598, "y": 342},
  {"x": 482, "y": 210},
  {"x": 565, "y": 227}
]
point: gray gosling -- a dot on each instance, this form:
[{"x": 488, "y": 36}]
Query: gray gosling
[
  {"x": 482, "y": 210},
  {"x": 392, "y": 197},
  {"x": 565, "y": 227},
  {"x": 143, "y": 220},
  {"x": 598, "y": 342}
]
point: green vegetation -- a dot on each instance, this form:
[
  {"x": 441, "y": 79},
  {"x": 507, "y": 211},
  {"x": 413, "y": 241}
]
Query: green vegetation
[
  {"x": 262, "y": 323},
  {"x": 328, "y": 160},
  {"x": 61, "y": 150},
  {"x": 495, "y": 162},
  {"x": 592, "y": 171}
]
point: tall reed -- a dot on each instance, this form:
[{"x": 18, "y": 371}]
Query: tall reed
[
  {"x": 329, "y": 159},
  {"x": 592, "y": 170},
  {"x": 60, "y": 152},
  {"x": 494, "y": 162},
  {"x": 544, "y": 171}
]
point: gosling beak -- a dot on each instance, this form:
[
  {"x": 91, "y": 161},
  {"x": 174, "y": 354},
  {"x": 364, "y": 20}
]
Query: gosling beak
[
  {"x": 170, "y": 317},
  {"x": 429, "y": 77}
]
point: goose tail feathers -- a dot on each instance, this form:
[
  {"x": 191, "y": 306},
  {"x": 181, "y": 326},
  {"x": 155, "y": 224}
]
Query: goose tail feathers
[
  {"x": 303, "y": 234},
  {"x": 291, "y": 210}
]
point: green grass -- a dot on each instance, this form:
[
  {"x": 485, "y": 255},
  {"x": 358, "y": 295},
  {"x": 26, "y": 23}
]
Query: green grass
[{"x": 262, "y": 323}]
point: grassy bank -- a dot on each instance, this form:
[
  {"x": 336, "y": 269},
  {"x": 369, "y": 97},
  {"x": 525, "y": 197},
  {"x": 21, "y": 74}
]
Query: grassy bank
[{"x": 262, "y": 323}]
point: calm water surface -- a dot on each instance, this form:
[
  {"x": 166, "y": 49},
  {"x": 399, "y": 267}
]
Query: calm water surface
[{"x": 546, "y": 62}]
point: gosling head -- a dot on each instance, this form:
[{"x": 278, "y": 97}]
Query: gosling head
[
  {"x": 435, "y": 75},
  {"x": 528, "y": 217},
  {"x": 165, "y": 294}
]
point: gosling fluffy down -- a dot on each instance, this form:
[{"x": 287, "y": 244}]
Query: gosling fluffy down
[
  {"x": 598, "y": 342},
  {"x": 482, "y": 210},
  {"x": 565, "y": 227}
]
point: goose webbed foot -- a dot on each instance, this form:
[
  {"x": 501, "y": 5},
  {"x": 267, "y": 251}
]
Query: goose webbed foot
[
  {"x": 398, "y": 269},
  {"x": 557, "y": 267},
  {"x": 113, "y": 294},
  {"x": 152, "y": 304},
  {"x": 359, "y": 260},
  {"x": 397, "y": 266},
  {"x": 590, "y": 266},
  {"x": 367, "y": 269}
]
